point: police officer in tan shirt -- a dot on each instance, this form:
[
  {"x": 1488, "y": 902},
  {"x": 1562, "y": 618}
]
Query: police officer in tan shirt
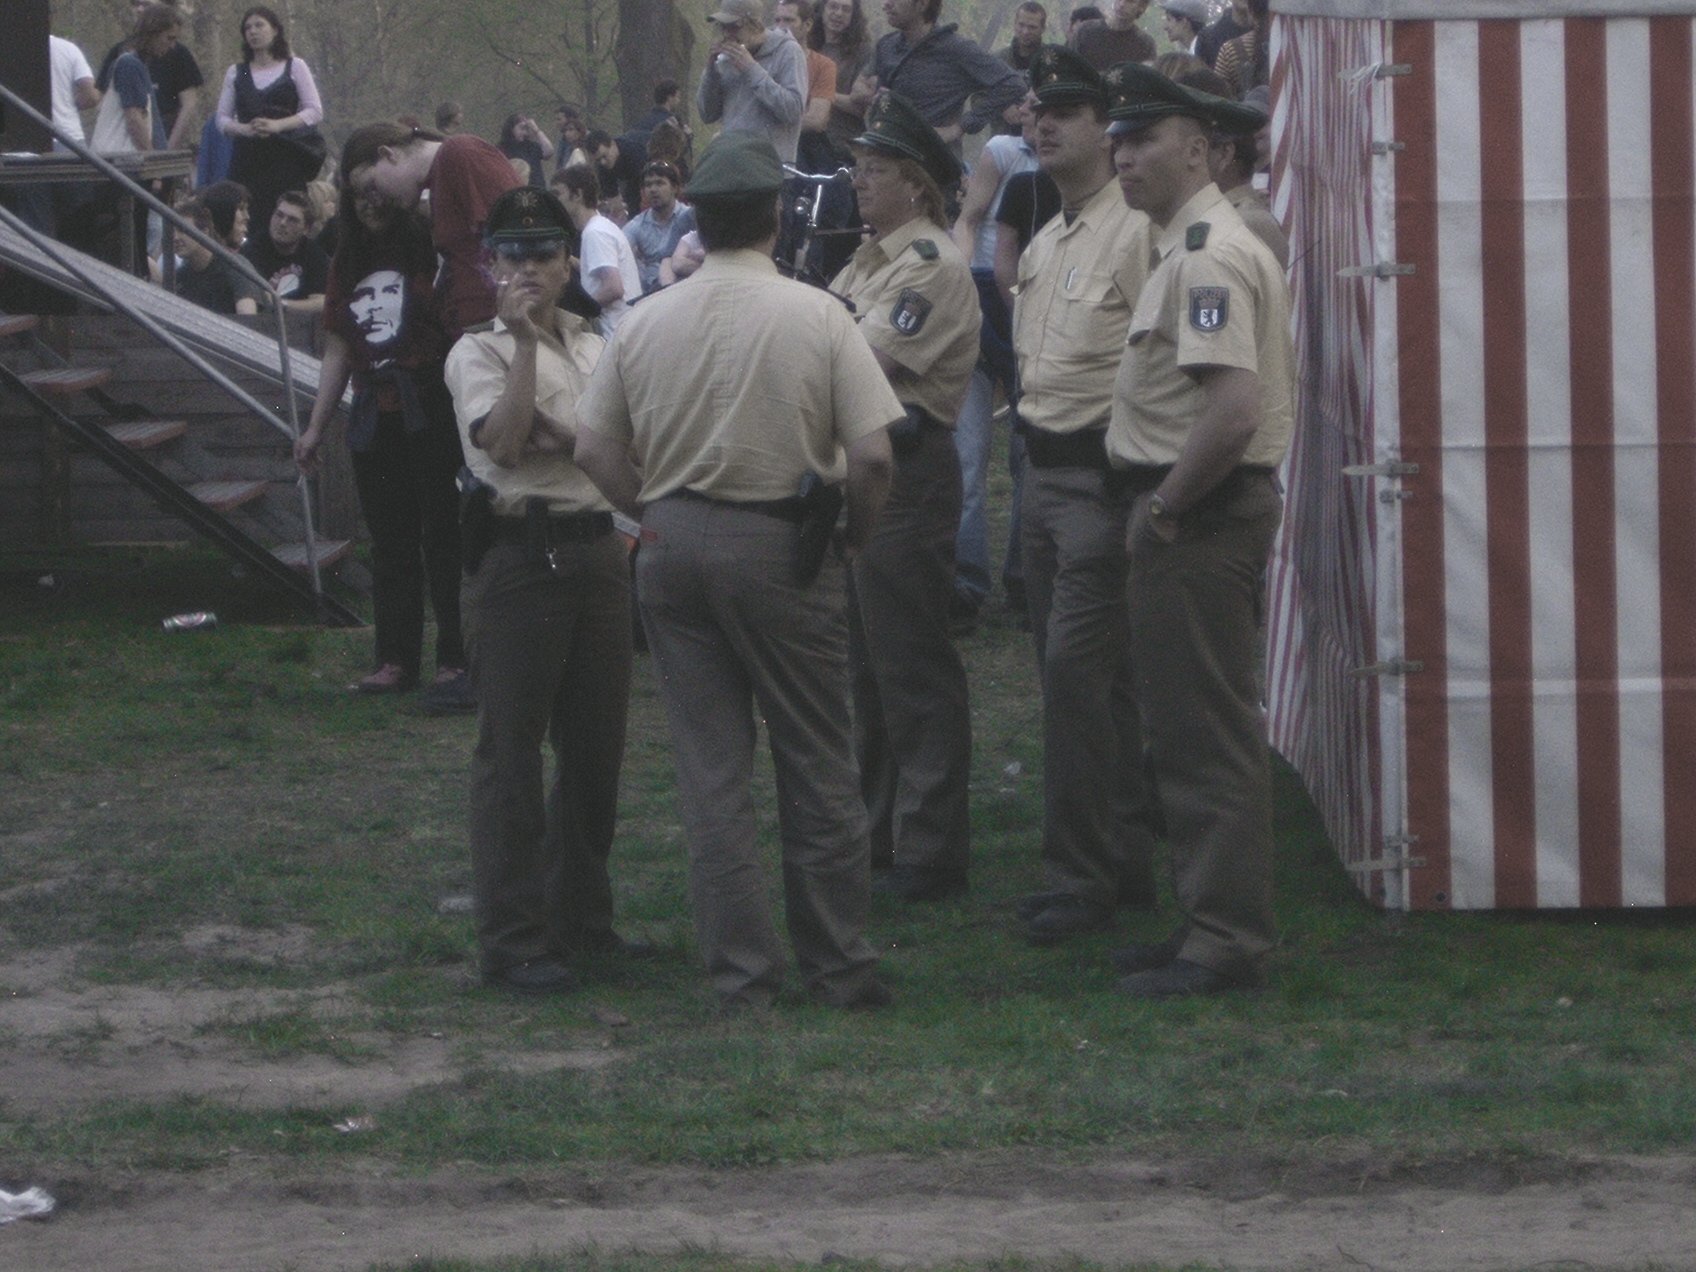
[
  {"x": 546, "y": 598},
  {"x": 717, "y": 401},
  {"x": 1201, "y": 418},
  {"x": 1077, "y": 283},
  {"x": 916, "y": 306}
]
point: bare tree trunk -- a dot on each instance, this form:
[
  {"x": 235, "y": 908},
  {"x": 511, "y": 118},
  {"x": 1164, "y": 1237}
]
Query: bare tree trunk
[{"x": 654, "y": 43}]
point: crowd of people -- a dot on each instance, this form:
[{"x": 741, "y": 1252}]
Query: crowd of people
[{"x": 524, "y": 366}]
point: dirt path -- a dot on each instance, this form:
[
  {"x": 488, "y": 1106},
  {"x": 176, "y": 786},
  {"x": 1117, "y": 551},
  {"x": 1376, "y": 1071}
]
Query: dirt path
[
  {"x": 1605, "y": 1214},
  {"x": 67, "y": 1043}
]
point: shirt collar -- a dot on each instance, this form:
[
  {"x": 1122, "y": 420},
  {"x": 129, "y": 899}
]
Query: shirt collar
[
  {"x": 1200, "y": 204},
  {"x": 898, "y": 240},
  {"x": 743, "y": 261},
  {"x": 1095, "y": 207}
]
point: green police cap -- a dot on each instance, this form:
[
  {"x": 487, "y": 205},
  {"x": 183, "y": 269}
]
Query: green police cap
[
  {"x": 895, "y": 127},
  {"x": 1139, "y": 96},
  {"x": 735, "y": 164},
  {"x": 525, "y": 214},
  {"x": 1234, "y": 119},
  {"x": 1059, "y": 77}
]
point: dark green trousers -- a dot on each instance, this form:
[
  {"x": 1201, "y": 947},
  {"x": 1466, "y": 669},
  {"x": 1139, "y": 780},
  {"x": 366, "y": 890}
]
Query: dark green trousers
[
  {"x": 1195, "y": 608},
  {"x": 550, "y": 664},
  {"x": 1095, "y": 797},
  {"x": 912, "y": 720}
]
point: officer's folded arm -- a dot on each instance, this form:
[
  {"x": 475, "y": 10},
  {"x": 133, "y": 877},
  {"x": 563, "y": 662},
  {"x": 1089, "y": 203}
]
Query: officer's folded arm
[
  {"x": 507, "y": 428},
  {"x": 551, "y": 436}
]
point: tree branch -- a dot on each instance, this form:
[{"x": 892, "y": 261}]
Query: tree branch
[{"x": 553, "y": 91}]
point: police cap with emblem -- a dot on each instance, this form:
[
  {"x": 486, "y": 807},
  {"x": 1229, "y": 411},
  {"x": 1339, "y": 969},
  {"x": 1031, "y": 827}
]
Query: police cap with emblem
[
  {"x": 895, "y": 127},
  {"x": 525, "y": 214},
  {"x": 735, "y": 165},
  {"x": 527, "y": 217},
  {"x": 1139, "y": 97},
  {"x": 1059, "y": 77}
]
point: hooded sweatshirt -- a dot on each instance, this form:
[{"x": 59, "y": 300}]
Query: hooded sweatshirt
[{"x": 767, "y": 98}]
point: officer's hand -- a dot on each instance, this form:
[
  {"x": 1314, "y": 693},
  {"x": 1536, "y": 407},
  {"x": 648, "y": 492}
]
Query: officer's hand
[
  {"x": 513, "y": 298},
  {"x": 1164, "y": 529}
]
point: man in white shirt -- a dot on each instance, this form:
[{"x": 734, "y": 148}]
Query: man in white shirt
[
  {"x": 73, "y": 89},
  {"x": 609, "y": 269}
]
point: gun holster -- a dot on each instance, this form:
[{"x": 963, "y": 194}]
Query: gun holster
[
  {"x": 821, "y": 504},
  {"x": 476, "y": 518}
]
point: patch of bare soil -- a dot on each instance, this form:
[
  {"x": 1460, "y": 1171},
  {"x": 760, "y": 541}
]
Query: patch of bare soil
[{"x": 66, "y": 1043}]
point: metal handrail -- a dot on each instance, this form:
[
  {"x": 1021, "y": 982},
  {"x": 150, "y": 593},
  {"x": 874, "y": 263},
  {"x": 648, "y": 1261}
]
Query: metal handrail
[{"x": 242, "y": 265}]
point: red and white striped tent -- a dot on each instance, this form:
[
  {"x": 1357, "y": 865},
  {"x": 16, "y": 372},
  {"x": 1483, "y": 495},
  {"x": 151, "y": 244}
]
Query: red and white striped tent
[{"x": 1483, "y": 634}]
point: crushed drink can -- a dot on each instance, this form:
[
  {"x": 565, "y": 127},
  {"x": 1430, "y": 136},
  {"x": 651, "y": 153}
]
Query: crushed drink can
[{"x": 198, "y": 621}]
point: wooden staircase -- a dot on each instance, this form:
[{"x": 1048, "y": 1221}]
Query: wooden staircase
[{"x": 255, "y": 519}]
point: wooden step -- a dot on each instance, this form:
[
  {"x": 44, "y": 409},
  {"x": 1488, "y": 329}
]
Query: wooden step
[
  {"x": 65, "y": 381},
  {"x": 329, "y": 552},
  {"x": 223, "y": 496},
  {"x": 17, "y": 324},
  {"x": 146, "y": 434}
]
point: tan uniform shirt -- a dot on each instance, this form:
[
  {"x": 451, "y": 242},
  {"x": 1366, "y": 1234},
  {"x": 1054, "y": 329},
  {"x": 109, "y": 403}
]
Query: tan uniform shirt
[
  {"x": 1256, "y": 213},
  {"x": 737, "y": 382},
  {"x": 476, "y": 375},
  {"x": 1222, "y": 303},
  {"x": 919, "y": 307},
  {"x": 1077, "y": 286}
]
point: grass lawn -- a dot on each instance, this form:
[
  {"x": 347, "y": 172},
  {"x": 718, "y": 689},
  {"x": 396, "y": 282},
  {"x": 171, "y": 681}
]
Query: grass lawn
[{"x": 212, "y": 813}]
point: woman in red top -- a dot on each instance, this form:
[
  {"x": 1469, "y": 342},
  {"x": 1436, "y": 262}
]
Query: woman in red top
[
  {"x": 383, "y": 331},
  {"x": 391, "y": 165}
]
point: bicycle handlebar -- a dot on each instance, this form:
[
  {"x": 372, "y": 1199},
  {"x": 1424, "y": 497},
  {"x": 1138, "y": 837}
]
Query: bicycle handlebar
[{"x": 817, "y": 178}]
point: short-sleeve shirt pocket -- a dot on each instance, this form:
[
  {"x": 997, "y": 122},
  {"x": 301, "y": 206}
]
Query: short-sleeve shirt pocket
[{"x": 1077, "y": 307}]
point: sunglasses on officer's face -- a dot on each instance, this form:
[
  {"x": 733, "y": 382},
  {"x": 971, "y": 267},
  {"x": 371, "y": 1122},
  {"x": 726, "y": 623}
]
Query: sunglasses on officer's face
[{"x": 545, "y": 250}]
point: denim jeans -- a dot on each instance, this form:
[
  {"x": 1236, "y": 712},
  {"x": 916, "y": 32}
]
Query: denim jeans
[{"x": 974, "y": 436}]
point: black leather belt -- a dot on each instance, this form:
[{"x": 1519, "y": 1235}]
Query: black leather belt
[
  {"x": 563, "y": 527},
  {"x": 792, "y": 510},
  {"x": 1086, "y": 448}
]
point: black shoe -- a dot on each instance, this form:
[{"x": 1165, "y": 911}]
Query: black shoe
[
  {"x": 605, "y": 943},
  {"x": 1029, "y": 907},
  {"x": 1141, "y": 956},
  {"x": 920, "y": 883},
  {"x": 449, "y": 693},
  {"x": 1179, "y": 979},
  {"x": 1068, "y": 917},
  {"x": 545, "y": 975}
]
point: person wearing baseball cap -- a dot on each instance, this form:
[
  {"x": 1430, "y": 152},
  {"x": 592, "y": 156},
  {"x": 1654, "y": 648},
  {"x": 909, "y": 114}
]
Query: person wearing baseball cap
[
  {"x": 756, "y": 77},
  {"x": 733, "y": 414},
  {"x": 1201, "y": 419},
  {"x": 917, "y": 309},
  {"x": 1078, "y": 281},
  {"x": 547, "y": 617}
]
